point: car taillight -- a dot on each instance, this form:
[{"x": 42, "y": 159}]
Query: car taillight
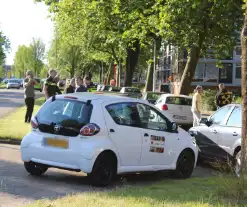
[
  {"x": 34, "y": 123},
  {"x": 90, "y": 130},
  {"x": 164, "y": 107}
]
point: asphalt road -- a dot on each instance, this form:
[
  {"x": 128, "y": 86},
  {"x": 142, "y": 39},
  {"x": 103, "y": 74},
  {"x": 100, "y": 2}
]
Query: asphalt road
[
  {"x": 18, "y": 188},
  {"x": 10, "y": 99}
]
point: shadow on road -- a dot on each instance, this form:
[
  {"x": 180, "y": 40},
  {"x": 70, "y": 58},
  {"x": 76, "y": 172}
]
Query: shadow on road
[{"x": 17, "y": 182}]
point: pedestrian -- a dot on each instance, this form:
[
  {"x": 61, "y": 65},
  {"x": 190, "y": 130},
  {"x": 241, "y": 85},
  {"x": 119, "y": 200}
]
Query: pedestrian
[
  {"x": 196, "y": 105},
  {"x": 29, "y": 94},
  {"x": 50, "y": 85},
  {"x": 71, "y": 87},
  {"x": 223, "y": 97},
  {"x": 80, "y": 87}
]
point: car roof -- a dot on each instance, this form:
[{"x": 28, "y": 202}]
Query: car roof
[
  {"x": 173, "y": 95},
  {"x": 101, "y": 97}
]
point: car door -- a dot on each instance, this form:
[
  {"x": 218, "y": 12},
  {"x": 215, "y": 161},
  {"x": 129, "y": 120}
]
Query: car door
[
  {"x": 122, "y": 125},
  {"x": 231, "y": 134},
  {"x": 175, "y": 109},
  {"x": 208, "y": 137},
  {"x": 159, "y": 145}
]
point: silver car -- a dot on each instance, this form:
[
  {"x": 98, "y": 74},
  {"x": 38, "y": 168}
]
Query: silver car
[
  {"x": 219, "y": 136},
  {"x": 13, "y": 84}
]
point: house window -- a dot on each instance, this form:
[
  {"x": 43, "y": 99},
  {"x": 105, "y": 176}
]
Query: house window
[
  {"x": 199, "y": 73},
  {"x": 238, "y": 71},
  {"x": 211, "y": 71},
  {"x": 238, "y": 50},
  {"x": 225, "y": 73}
]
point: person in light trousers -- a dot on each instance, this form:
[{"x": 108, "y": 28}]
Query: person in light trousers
[{"x": 196, "y": 105}]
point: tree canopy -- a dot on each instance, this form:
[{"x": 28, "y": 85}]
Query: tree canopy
[{"x": 4, "y": 47}]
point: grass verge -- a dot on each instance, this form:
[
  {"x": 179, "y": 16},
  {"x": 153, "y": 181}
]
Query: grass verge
[
  {"x": 2, "y": 85},
  {"x": 193, "y": 192},
  {"x": 13, "y": 127}
]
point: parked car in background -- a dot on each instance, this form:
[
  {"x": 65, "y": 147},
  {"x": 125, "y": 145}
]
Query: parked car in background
[
  {"x": 151, "y": 97},
  {"x": 130, "y": 90},
  {"x": 114, "y": 89},
  {"x": 5, "y": 81},
  {"x": 13, "y": 83},
  {"x": 105, "y": 88},
  {"x": 21, "y": 81},
  {"x": 219, "y": 136},
  {"x": 38, "y": 86},
  {"x": 104, "y": 135},
  {"x": 178, "y": 107}
]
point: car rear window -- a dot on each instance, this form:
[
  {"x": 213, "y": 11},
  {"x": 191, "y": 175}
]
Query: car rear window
[
  {"x": 13, "y": 81},
  {"x": 179, "y": 101},
  {"x": 69, "y": 114}
]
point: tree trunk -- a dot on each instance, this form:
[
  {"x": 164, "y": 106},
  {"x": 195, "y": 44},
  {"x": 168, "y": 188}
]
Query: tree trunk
[
  {"x": 109, "y": 74},
  {"x": 190, "y": 67},
  {"x": 243, "y": 169},
  {"x": 131, "y": 62},
  {"x": 149, "y": 79}
]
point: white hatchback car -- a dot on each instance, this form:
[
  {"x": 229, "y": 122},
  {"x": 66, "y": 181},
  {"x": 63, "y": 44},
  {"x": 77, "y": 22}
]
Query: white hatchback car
[
  {"x": 104, "y": 135},
  {"x": 177, "y": 106}
]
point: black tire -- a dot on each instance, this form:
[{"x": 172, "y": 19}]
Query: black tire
[
  {"x": 185, "y": 164},
  {"x": 34, "y": 169},
  {"x": 237, "y": 164},
  {"x": 104, "y": 170}
]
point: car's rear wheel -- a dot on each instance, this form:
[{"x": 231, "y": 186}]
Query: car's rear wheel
[
  {"x": 185, "y": 164},
  {"x": 104, "y": 170},
  {"x": 35, "y": 169}
]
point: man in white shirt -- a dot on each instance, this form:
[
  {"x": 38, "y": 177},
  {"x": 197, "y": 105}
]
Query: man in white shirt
[{"x": 196, "y": 105}]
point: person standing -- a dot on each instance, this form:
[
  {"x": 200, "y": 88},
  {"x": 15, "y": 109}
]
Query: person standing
[
  {"x": 71, "y": 87},
  {"x": 196, "y": 105},
  {"x": 80, "y": 87},
  {"x": 29, "y": 95},
  {"x": 223, "y": 97},
  {"x": 50, "y": 86}
]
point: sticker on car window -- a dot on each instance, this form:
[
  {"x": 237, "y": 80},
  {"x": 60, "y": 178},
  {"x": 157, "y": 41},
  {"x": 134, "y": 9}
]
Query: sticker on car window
[{"x": 157, "y": 144}]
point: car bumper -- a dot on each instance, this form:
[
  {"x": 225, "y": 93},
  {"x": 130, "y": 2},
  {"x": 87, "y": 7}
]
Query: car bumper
[
  {"x": 54, "y": 157},
  {"x": 13, "y": 86}
]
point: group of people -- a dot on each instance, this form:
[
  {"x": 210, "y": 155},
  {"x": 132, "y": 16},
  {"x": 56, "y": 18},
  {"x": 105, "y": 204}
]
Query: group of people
[
  {"x": 50, "y": 89},
  {"x": 222, "y": 98}
]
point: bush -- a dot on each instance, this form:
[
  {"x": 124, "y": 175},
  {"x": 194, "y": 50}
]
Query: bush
[
  {"x": 208, "y": 100},
  {"x": 237, "y": 100}
]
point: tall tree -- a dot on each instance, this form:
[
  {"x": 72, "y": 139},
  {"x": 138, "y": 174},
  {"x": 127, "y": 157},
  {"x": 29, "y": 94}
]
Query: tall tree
[
  {"x": 4, "y": 47},
  {"x": 198, "y": 26},
  {"x": 244, "y": 95},
  {"x": 37, "y": 48}
]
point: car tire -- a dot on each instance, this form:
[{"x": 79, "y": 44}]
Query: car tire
[
  {"x": 34, "y": 169},
  {"x": 104, "y": 170},
  {"x": 185, "y": 164},
  {"x": 237, "y": 164}
]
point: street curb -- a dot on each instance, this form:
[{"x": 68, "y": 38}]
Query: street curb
[{"x": 10, "y": 141}]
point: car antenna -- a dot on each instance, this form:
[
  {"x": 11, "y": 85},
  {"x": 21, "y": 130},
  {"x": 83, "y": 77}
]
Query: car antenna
[
  {"x": 53, "y": 98},
  {"x": 88, "y": 102}
]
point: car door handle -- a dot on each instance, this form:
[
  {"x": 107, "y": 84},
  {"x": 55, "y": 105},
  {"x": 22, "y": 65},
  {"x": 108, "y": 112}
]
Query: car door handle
[
  {"x": 146, "y": 135},
  {"x": 214, "y": 131},
  {"x": 234, "y": 134},
  {"x": 112, "y": 130}
]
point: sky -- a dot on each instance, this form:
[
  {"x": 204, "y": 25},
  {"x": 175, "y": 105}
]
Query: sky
[{"x": 22, "y": 20}]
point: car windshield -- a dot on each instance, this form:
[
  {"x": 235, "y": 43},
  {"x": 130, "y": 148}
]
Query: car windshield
[
  {"x": 71, "y": 115},
  {"x": 13, "y": 81},
  {"x": 153, "y": 96}
]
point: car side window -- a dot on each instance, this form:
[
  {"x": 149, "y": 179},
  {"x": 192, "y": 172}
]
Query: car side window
[
  {"x": 151, "y": 119},
  {"x": 220, "y": 116},
  {"x": 124, "y": 114},
  {"x": 235, "y": 120}
]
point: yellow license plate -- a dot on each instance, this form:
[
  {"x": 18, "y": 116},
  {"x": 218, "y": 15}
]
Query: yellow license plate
[{"x": 60, "y": 143}]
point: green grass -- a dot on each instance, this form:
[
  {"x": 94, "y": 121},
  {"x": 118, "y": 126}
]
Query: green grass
[
  {"x": 2, "y": 85},
  {"x": 193, "y": 192},
  {"x": 13, "y": 126}
]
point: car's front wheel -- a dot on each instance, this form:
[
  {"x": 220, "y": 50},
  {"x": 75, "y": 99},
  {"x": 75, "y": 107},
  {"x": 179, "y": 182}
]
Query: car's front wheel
[
  {"x": 185, "y": 164},
  {"x": 104, "y": 170},
  {"x": 35, "y": 169},
  {"x": 237, "y": 164}
]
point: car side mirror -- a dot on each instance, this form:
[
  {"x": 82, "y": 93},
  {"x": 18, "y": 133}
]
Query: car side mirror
[{"x": 206, "y": 122}]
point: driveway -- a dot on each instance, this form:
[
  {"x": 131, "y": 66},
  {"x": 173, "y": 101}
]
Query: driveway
[
  {"x": 11, "y": 99},
  {"x": 17, "y": 188}
]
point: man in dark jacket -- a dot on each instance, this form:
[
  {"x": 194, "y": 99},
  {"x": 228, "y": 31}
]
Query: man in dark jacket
[
  {"x": 223, "y": 97},
  {"x": 71, "y": 87},
  {"x": 80, "y": 87}
]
